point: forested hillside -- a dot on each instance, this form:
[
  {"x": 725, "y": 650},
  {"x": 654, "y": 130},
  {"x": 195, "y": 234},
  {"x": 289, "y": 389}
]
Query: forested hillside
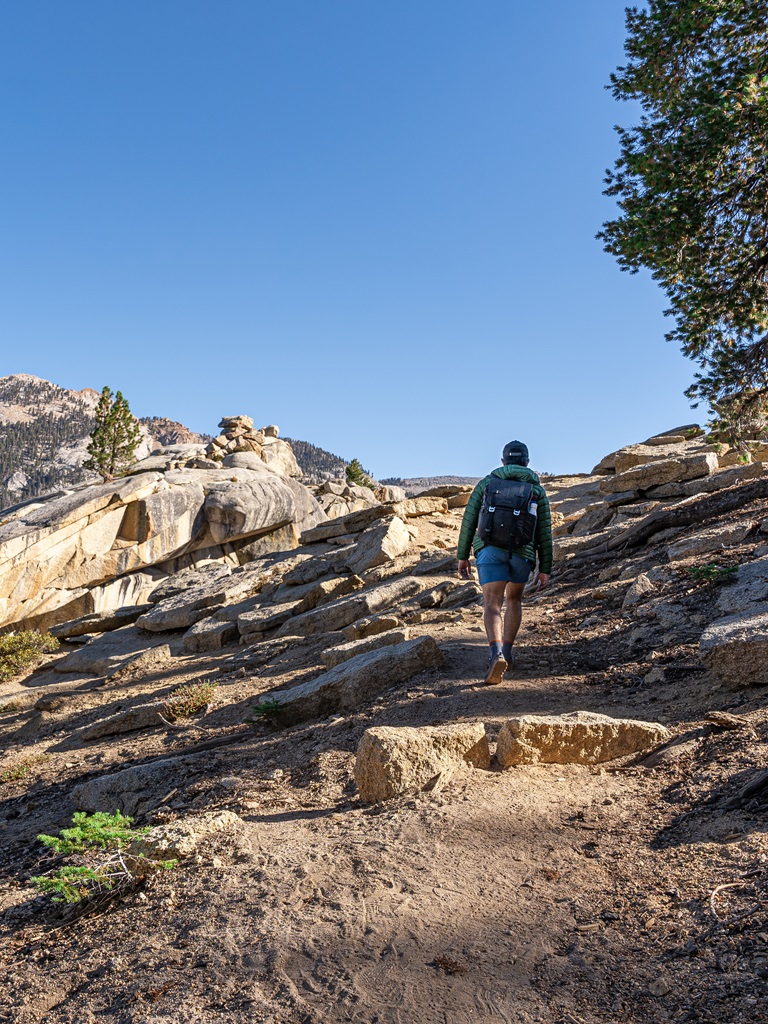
[
  {"x": 315, "y": 463},
  {"x": 44, "y": 432}
]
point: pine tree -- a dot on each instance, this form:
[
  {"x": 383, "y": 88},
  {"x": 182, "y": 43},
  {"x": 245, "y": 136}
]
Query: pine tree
[
  {"x": 356, "y": 475},
  {"x": 691, "y": 183},
  {"x": 115, "y": 437}
]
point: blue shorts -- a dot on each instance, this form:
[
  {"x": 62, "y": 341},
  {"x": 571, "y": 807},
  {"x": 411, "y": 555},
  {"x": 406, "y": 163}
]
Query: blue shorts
[{"x": 496, "y": 564}]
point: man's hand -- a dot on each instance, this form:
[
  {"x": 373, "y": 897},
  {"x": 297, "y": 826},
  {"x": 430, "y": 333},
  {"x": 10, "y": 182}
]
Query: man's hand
[
  {"x": 464, "y": 569},
  {"x": 542, "y": 580}
]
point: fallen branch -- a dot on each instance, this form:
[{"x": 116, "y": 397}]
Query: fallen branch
[
  {"x": 184, "y": 728},
  {"x": 721, "y": 888}
]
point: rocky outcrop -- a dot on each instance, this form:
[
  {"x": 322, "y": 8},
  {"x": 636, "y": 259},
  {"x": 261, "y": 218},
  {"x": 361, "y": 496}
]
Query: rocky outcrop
[
  {"x": 580, "y": 737},
  {"x": 354, "y": 682},
  {"x": 178, "y": 840},
  {"x": 337, "y": 498},
  {"x": 115, "y": 652},
  {"x": 343, "y": 652},
  {"x": 238, "y": 439},
  {"x": 346, "y": 610},
  {"x": 391, "y": 762},
  {"x": 133, "y": 791},
  {"x": 735, "y": 648},
  {"x": 661, "y": 471},
  {"x": 107, "y": 545},
  {"x": 714, "y": 539}
]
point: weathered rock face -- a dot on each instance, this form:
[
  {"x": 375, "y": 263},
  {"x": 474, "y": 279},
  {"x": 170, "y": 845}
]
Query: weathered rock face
[
  {"x": 392, "y": 761},
  {"x": 355, "y": 681},
  {"x": 749, "y": 592},
  {"x": 104, "y": 545},
  {"x": 132, "y": 791},
  {"x": 336, "y": 655},
  {"x": 113, "y": 652},
  {"x": 706, "y": 484},
  {"x": 652, "y": 474},
  {"x": 240, "y": 445},
  {"x": 346, "y": 610},
  {"x": 379, "y": 544},
  {"x": 580, "y": 737},
  {"x": 183, "y": 609},
  {"x": 669, "y": 443},
  {"x": 736, "y": 649},
  {"x": 713, "y": 539},
  {"x": 358, "y": 521},
  {"x": 180, "y": 839}
]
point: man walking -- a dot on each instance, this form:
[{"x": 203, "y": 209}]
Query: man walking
[{"x": 517, "y": 518}]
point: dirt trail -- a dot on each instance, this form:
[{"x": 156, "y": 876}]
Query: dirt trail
[{"x": 554, "y": 894}]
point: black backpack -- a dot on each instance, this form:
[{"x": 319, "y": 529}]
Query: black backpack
[{"x": 508, "y": 514}]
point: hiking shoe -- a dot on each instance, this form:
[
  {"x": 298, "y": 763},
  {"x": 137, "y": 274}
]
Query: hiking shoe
[{"x": 496, "y": 668}]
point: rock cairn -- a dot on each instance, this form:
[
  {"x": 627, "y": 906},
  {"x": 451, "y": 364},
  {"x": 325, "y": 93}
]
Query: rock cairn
[{"x": 238, "y": 437}]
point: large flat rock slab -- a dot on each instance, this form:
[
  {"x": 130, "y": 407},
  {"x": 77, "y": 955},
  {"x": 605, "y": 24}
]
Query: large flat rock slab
[
  {"x": 355, "y": 681},
  {"x": 705, "y": 541},
  {"x": 580, "y": 737},
  {"x": 748, "y": 592},
  {"x": 392, "y": 761},
  {"x": 379, "y": 544},
  {"x": 132, "y": 791},
  {"x": 704, "y": 485},
  {"x": 360, "y": 520},
  {"x": 213, "y": 589},
  {"x": 654, "y": 474},
  {"x": 111, "y": 652},
  {"x": 334, "y": 656},
  {"x": 340, "y": 613},
  {"x": 735, "y": 648}
]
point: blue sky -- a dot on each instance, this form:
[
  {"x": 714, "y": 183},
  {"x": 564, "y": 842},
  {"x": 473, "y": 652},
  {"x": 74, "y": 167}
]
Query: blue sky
[{"x": 370, "y": 223}]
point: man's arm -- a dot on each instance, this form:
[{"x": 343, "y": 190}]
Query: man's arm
[
  {"x": 469, "y": 525},
  {"x": 544, "y": 545}
]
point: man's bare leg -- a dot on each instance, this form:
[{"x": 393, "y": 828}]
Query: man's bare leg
[
  {"x": 493, "y": 599},
  {"x": 514, "y": 613}
]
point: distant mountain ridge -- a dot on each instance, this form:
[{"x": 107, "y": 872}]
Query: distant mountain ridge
[
  {"x": 414, "y": 484},
  {"x": 44, "y": 433},
  {"x": 45, "y": 429},
  {"x": 316, "y": 463}
]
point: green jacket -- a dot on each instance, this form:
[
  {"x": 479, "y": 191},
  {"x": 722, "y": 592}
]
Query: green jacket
[{"x": 542, "y": 544}]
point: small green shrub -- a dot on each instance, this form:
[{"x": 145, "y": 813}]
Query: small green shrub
[
  {"x": 21, "y": 769},
  {"x": 19, "y": 651},
  {"x": 99, "y": 842},
  {"x": 711, "y": 573},
  {"x": 89, "y": 831},
  {"x": 266, "y": 711},
  {"x": 188, "y": 700}
]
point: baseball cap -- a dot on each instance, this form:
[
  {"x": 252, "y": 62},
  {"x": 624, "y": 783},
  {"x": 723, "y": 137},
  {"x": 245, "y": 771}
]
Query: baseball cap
[{"x": 515, "y": 453}]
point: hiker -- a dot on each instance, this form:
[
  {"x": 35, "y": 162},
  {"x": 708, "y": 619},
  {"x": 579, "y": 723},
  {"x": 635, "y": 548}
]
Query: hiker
[{"x": 507, "y": 523}]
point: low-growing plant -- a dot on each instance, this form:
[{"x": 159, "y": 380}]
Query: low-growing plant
[
  {"x": 19, "y": 651},
  {"x": 98, "y": 842},
  {"x": 12, "y": 705},
  {"x": 266, "y": 711},
  {"x": 21, "y": 769},
  {"x": 188, "y": 700},
  {"x": 711, "y": 573}
]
